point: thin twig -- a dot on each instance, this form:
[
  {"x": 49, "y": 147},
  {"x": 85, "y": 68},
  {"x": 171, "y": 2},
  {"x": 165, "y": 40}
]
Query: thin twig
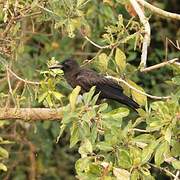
[
  {"x": 10, "y": 87},
  {"x": 159, "y": 11},
  {"x": 172, "y": 61},
  {"x": 97, "y": 45},
  {"x": 163, "y": 169},
  {"x": 27, "y": 15},
  {"x": 147, "y": 32},
  {"x": 9, "y": 81},
  {"x": 47, "y": 10},
  {"x": 137, "y": 90},
  {"x": 23, "y": 80},
  {"x": 140, "y": 130},
  {"x": 177, "y": 175},
  {"x": 32, "y": 171}
]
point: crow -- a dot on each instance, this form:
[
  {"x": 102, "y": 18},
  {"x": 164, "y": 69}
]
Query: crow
[{"x": 87, "y": 78}]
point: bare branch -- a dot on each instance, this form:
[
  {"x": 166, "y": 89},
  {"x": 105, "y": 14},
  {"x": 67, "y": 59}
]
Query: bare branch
[
  {"x": 23, "y": 80},
  {"x": 172, "y": 61},
  {"x": 177, "y": 175},
  {"x": 33, "y": 114},
  {"x": 140, "y": 130},
  {"x": 163, "y": 169},
  {"x": 159, "y": 11},
  {"x": 97, "y": 45},
  {"x": 9, "y": 82},
  {"x": 137, "y": 90},
  {"x": 147, "y": 32}
]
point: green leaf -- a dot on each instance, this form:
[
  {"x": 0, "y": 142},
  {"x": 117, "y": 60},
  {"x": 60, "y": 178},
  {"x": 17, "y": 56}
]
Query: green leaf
[
  {"x": 82, "y": 164},
  {"x": 80, "y": 2},
  {"x": 49, "y": 101},
  {"x": 120, "y": 59},
  {"x": 70, "y": 28},
  {"x": 57, "y": 95},
  {"x": 145, "y": 171},
  {"x": 175, "y": 151},
  {"x": 85, "y": 148},
  {"x": 176, "y": 80},
  {"x": 121, "y": 174},
  {"x": 74, "y": 135},
  {"x": 95, "y": 169},
  {"x": 139, "y": 98},
  {"x": 161, "y": 107},
  {"x": 87, "y": 97},
  {"x": 104, "y": 146},
  {"x": 168, "y": 134},
  {"x": 117, "y": 113},
  {"x": 135, "y": 154},
  {"x": 3, "y": 167},
  {"x": 42, "y": 97},
  {"x": 94, "y": 99},
  {"x": 103, "y": 61},
  {"x": 135, "y": 175},
  {"x": 103, "y": 107},
  {"x": 161, "y": 152},
  {"x": 94, "y": 132},
  {"x": 146, "y": 154},
  {"x": 62, "y": 128},
  {"x": 68, "y": 117},
  {"x": 73, "y": 97},
  {"x": 176, "y": 164},
  {"x": 124, "y": 159},
  {"x": 144, "y": 138},
  {"x": 148, "y": 150},
  {"x": 84, "y": 130},
  {"x": 4, "y": 153}
]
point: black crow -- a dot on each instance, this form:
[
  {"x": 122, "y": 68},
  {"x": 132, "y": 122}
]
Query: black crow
[{"x": 87, "y": 78}]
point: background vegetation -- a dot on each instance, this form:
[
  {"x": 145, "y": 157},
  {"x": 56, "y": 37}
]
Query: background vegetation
[{"x": 105, "y": 141}]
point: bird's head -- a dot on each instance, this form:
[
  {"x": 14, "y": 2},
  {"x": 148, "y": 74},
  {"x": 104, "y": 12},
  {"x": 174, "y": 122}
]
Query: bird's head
[{"x": 67, "y": 65}]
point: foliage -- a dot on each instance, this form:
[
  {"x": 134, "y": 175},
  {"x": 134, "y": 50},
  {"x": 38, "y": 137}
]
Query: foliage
[{"x": 107, "y": 140}]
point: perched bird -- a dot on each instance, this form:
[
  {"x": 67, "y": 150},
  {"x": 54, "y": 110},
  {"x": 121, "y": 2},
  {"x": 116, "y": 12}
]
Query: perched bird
[{"x": 87, "y": 78}]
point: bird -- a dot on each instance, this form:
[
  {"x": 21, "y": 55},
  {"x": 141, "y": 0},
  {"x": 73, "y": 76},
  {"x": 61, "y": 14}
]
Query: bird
[{"x": 87, "y": 78}]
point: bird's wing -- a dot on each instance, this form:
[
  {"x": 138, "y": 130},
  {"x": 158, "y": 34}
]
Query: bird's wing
[
  {"x": 108, "y": 88},
  {"x": 87, "y": 78}
]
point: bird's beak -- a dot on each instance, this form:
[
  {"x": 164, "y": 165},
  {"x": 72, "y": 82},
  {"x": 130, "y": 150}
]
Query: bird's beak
[{"x": 56, "y": 66}]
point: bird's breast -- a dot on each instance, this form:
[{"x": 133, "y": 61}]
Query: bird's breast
[{"x": 71, "y": 79}]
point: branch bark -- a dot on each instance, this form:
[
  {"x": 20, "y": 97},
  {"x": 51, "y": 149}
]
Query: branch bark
[
  {"x": 172, "y": 61},
  {"x": 147, "y": 32},
  {"x": 32, "y": 114},
  {"x": 159, "y": 11}
]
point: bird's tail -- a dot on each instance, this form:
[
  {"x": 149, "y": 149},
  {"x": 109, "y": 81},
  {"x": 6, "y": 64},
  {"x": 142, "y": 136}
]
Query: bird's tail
[
  {"x": 131, "y": 103},
  {"x": 115, "y": 92},
  {"x": 127, "y": 101}
]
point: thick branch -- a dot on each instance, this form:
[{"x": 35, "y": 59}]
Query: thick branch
[
  {"x": 159, "y": 11},
  {"x": 33, "y": 114},
  {"x": 147, "y": 32}
]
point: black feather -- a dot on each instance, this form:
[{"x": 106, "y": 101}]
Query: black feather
[{"x": 86, "y": 78}]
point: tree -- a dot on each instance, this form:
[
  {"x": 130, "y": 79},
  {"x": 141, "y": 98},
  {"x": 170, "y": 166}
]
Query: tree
[{"x": 114, "y": 38}]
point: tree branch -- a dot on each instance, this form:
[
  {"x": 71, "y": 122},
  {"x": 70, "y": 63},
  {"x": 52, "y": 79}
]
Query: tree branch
[
  {"x": 137, "y": 90},
  {"x": 97, "y": 45},
  {"x": 159, "y": 11},
  {"x": 33, "y": 114},
  {"x": 20, "y": 79},
  {"x": 147, "y": 32},
  {"x": 172, "y": 61}
]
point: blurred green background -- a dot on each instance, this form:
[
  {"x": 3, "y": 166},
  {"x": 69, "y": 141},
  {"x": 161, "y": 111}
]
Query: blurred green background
[{"x": 34, "y": 39}]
